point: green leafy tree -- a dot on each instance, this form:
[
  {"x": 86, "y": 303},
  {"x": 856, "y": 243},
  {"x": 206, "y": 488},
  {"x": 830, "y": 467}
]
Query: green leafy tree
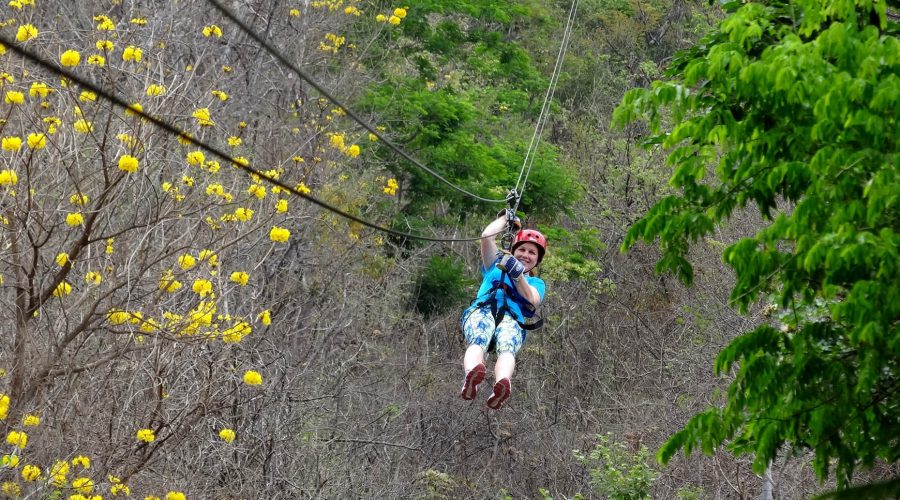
[
  {"x": 464, "y": 100},
  {"x": 617, "y": 472},
  {"x": 792, "y": 107}
]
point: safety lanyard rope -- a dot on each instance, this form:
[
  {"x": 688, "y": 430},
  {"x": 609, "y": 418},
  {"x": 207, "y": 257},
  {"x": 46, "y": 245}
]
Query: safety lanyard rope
[
  {"x": 373, "y": 130},
  {"x": 531, "y": 153}
]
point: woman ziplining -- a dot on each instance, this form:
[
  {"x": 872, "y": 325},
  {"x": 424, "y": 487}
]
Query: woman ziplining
[{"x": 509, "y": 293}]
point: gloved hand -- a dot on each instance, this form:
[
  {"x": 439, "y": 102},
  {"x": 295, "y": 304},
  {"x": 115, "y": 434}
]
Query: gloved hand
[
  {"x": 513, "y": 267},
  {"x": 511, "y": 217}
]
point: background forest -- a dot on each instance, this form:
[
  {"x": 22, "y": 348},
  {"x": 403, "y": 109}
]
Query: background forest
[{"x": 177, "y": 326}]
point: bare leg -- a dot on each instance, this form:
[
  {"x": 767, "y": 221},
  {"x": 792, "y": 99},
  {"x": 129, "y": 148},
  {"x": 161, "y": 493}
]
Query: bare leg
[
  {"x": 474, "y": 356},
  {"x": 504, "y": 367}
]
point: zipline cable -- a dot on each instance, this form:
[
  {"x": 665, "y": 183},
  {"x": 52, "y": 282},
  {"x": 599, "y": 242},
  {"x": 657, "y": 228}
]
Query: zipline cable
[
  {"x": 545, "y": 107},
  {"x": 293, "y": 67},
  {"x": 31, "y": 56}
]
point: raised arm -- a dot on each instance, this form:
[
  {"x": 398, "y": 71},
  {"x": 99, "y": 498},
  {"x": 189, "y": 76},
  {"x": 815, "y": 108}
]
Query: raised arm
[{"x": 489, "y": 240}]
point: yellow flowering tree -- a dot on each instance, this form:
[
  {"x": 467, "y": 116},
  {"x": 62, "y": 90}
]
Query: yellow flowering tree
[{"x": 142, "y": 269}]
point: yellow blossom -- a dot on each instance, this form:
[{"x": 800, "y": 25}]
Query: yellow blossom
[
  {"x": 74, "y": 219},
  {"x": 62, "y": 289},
  {"x": 149, "y": 325},
  {"x": 96, "y": 60},
  {"x": 31, "y": 420},
  {"x": 62, "y": 258},
  {"x": 117, "y": 489},
  {"x": 281, "y": 206},
  {"x": 252, "y": 377},
  {"x": 117, "y": 316},
  {"x": 337, "y": 141},
  {"x": 11, "y": 461},
  {"x": 4, "y": 406},
  {"x": 70, "y": 58},
  {"x": 212, "y": 30},
  {"x": 380, "y": 18},
  {"x": 400, "y": 12},
  {"x": 127, "y": 140},
  {"x": 243, "y": 214},
  {"x": 234, "y": 141},
  {"x": 17, "y": 438},
  {"x": 372, "y": 137},
  {"x": 295, "y": 13},
  {"x": 79, "y": 199},
  {"x": 105, "y": 45},
  {"x": 302, "y": 188},
  {"x": 202, "y": 287},
  {"x": 203, "y": 117},
  {"x": 140, "y": 21},
  {"x": 8, "y": 177},
  {"x": 12, "y": 143},
  {"x": 37, "y": 140},
  {"x": 168, "y": 282},
  {"x": 83, "y": 126},
  {"x": 154, "y": 90},
  {"x": 39, "y": 89},
  {"x": 128, "y": 164},
  {"x": 187, "y": 180},
  {"x": 279, "y": 234},
  {"x": 31, "y": 473},
  {"x": 146, "y": 435},
  {"x": 132, "y": 53},
  {"x": 175, "y": 495},
  {"x": 93, "y": 278},
  {"x": 14, "y": 97},
  {"x": 257, "y": 190},
  {"x": 265, "y": 317},
  {"x": 227, "y": 435},
  {"x": 11, "y": 489},
  {"x": 109, "y": 245},
  {"x": 26, "y": 32},
  {"x": 85, "y": 96},
  {"x": 394, "y": 20},
  {"x": 82, "y": 461},
  {"x": 83, "y": 485},
  {"x": 104, "y": 23},
  {"x": 210, "y": 256},
  {"x": 222, "y": 96},
  {"x": 236, "y": 332},
  {"x": 391, "y": 187},
  {"x": 135, "y": 109},
  {"x": 215, "y": 189},
  {"x": 58, "y": 472},
  {"x": 240, "y": 277},
  {"x": 196, "y": 158},
  {"x": 353, "y": 151},
  {"x": 186, "y": 261}
]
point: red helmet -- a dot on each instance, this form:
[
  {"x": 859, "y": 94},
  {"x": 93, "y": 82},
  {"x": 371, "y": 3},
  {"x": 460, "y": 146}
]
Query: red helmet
[{"x": 531, "y": 236}]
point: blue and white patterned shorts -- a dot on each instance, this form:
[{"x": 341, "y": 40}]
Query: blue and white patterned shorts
[{"x": 479, "y": 328}]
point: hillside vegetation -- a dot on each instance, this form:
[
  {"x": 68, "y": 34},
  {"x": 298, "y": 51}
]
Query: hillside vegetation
[{"x": 219, "y": 282}]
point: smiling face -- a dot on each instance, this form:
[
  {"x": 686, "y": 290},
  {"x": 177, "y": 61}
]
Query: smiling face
[{"x": 528, "y": 254}]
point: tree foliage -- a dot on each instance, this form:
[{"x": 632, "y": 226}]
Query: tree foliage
[
  {"x": 464, "y": 99},
  {"x": 792, "y": 107}
]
